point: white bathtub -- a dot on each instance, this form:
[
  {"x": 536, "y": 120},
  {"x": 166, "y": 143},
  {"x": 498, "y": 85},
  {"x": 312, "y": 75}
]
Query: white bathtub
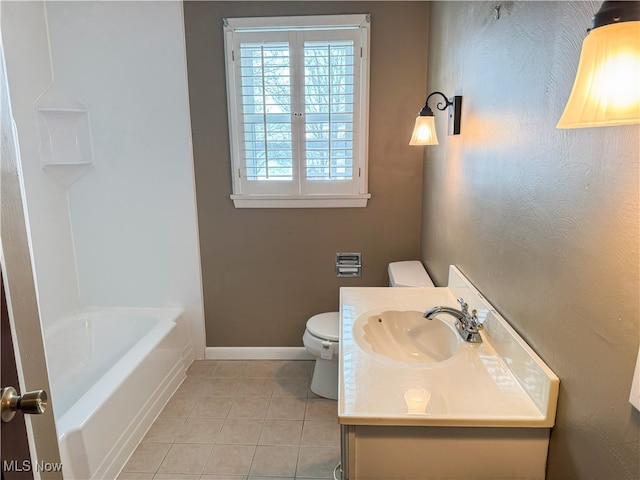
[{"x": 111, "y": 372}]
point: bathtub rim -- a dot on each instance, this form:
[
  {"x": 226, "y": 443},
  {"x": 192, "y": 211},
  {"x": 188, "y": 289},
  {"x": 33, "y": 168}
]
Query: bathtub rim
[
  {"x": 96, "y": 451},
  {"x": 88, "y": 403}
]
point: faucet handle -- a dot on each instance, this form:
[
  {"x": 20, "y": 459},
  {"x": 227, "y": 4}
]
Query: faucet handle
[
  {"x": 463, "y": 305},
  {"x": 471, "y": 318}
]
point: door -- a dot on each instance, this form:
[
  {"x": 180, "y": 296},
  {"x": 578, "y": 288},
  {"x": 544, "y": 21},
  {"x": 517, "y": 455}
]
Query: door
[
  {"x": 21, "y": 299},
  {"x": 15, "y": 444}
]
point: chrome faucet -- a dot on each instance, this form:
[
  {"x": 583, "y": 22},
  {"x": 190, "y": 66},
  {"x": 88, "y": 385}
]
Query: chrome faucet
[{"x": 467, "y": 323}]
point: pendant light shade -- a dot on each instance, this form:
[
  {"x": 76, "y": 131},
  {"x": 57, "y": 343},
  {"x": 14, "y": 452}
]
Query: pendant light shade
[{"x": 606, "y": 90}]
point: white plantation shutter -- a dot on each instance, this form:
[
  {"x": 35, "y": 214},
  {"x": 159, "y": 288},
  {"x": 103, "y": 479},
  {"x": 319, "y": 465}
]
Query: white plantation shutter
[
  {"x": 266, "y": 111},
  {"x": 328, "y": 94},
  {"x": 297, "y": 97}
]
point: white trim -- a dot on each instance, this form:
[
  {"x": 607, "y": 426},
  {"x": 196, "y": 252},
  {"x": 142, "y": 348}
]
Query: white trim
[
  {"x": 257, "y": 353},
  {"x": 299, "y": 192},
  {"x": 297, "y": 22},
  {"x": 300, "y": 201}
]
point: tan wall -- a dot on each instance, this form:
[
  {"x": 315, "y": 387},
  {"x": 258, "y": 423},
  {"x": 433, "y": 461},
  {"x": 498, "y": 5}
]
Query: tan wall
[
  {"x": 545, "y": 222},
  {"x": 265, "y": 271}
]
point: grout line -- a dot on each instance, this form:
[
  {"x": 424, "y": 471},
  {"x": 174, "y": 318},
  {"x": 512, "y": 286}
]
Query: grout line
[{"x": 242, "y": 374}]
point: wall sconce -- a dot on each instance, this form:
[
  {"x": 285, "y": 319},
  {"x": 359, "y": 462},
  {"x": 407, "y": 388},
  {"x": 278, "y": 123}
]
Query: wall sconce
[
  {"x": 606, "y": 90},
  {"x": 424, "y": 131}
]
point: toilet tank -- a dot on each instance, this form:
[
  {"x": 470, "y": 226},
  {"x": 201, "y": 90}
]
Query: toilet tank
[{"x": 408, "y": 274}]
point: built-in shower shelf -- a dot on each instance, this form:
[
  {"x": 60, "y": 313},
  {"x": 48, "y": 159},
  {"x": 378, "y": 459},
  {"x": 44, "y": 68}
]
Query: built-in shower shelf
[{"x": 64, "y": 136}]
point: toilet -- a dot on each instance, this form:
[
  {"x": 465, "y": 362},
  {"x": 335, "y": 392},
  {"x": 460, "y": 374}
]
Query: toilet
[{"x": 322, "y": 335}]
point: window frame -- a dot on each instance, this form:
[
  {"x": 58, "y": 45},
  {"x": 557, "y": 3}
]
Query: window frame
[{"x": 303, "y": 193}]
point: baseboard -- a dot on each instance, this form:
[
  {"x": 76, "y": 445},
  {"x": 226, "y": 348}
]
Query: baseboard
[{"x": 257, "y": 353}]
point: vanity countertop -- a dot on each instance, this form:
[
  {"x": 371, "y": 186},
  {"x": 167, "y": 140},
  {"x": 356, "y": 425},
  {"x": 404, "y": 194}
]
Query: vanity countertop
[{"x": 500, "y": 382}]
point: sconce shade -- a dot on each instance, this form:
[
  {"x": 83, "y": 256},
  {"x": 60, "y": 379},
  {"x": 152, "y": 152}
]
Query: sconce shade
[
  {"x": 606, "y": 90},
  {"x": 424, "y": 131}
]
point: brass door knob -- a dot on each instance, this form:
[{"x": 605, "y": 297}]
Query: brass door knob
[{"x": 33, "y": 403}]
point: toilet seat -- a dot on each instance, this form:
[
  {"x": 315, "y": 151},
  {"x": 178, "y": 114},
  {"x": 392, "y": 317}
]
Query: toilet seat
[{"x": 325, "y": 326}]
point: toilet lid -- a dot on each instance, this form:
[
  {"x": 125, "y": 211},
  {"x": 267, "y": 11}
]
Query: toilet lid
[{"x": 325, "y": 325}]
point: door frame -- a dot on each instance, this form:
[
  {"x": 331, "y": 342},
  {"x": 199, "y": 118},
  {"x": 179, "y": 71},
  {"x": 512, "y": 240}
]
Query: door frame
[{"x": 20, "y": 289}]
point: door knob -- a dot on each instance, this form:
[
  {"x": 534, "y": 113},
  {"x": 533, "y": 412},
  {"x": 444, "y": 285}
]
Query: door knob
[{"x": 33, "y": 403}]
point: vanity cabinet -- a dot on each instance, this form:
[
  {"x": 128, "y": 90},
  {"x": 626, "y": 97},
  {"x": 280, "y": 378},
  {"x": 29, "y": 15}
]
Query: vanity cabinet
[{"x": 372, "y": 452}]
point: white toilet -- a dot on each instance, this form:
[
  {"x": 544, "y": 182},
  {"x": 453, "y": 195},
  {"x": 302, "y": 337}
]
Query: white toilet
[{"x": 322, "y": 335}]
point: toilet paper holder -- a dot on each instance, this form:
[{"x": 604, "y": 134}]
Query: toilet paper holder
[{"x": 348, "y": 265}]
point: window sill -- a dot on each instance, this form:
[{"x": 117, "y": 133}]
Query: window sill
[{"x": 300, "y": 201}]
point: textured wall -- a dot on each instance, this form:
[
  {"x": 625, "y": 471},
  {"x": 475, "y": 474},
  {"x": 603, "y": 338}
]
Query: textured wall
[
  {"x": 265, "y": 271},
  {"x": 545, "y": 222}
]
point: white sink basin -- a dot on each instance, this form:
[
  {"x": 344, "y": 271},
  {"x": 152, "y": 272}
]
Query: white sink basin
[
  {"x": 406, "y": 336},
  {"x": 391, "y": 358}
]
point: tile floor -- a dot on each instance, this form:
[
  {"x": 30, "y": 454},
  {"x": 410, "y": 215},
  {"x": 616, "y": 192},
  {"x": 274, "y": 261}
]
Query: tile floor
[{"x": 241, "y": 420}]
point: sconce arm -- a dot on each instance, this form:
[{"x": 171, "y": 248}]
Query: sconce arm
[{"x": 441, "y": 105}]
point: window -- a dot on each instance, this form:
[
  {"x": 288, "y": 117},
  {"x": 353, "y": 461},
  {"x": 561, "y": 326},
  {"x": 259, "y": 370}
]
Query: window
[{"x": 298, "y": 99}]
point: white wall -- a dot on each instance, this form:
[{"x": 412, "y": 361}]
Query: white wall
[
  {"x": 24, "y": 33},
  {"x": 132, "y": 216}
]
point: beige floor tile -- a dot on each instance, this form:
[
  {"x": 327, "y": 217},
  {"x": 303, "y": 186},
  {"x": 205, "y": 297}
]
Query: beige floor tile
[
  {"x": 263, "y": 368},
  {"x": 230, "y": 460},
  {"x": 196, "y": 386},
  {"x": 135, "y": 476},
  {"x": 202, "y": 368},
  {"x": 224, "y": 387},
  {"x": 212, "y": 407},
  {"x": 185, "y": 458},
  {"x": 241, "y": 420},
  {"x": 175, "y": 476},
  {"x": 281, "y": 432},
  {"x": 146, "y": 458},
  {"x": 200, "y": 430},
  {"x": 295, "y": 369},
  {"x": 271, "y": 478},
  {"x": 291, "y": 387},
  {"x": 262, "y": 387},
  {"x": 311, "y": 394},
  {"x": 320, "y": 434},
  {"x": 232, "y": 368},
  {"x": 240, "y": 431},
  {"x": 179, "y": 405},
  {"x": 317, "y": 462},
  {"x": 274, "y": 461},
  {"x": 321, "y": 409},
  {"x": 164, "y": 430},
  {"x": 226, "y": 477},
  {"x": 249, "y": 407},
  {"x": 287, "y": 408}
]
